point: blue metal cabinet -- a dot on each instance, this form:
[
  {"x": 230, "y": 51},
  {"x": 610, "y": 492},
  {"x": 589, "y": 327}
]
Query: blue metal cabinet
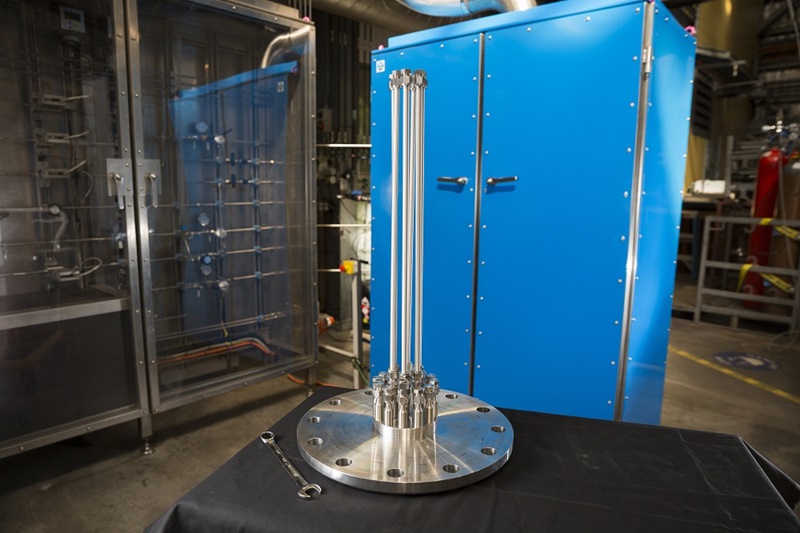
[{"x": 566, "y": 270}]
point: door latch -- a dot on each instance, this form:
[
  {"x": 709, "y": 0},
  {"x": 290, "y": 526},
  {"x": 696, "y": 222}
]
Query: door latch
[
  {"x": 119, "y": 183},
  {"x": 461, "y": 180},
  {"x": 495, "y": 181},
  {"x": 149, "y": 169},
  {"x": 151, "y": 178},
  {"x": 119, "y": 179}
]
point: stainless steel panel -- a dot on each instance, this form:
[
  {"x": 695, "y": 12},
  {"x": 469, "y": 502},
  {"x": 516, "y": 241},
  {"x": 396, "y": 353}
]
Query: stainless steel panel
[{"x": 67, "y": 312}]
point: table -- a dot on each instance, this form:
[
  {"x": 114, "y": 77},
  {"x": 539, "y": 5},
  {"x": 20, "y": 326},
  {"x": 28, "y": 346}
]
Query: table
[{"x": 565, "y": 474}]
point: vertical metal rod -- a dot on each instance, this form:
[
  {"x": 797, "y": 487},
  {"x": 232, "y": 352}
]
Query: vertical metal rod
[
  {"x": 394, "y": 91},
  {"x": 476, "y": 224},
  {"x": 419, "y": 111},
  {"x": 408, "y": 226},
  {"x": 358, "y": 351}
]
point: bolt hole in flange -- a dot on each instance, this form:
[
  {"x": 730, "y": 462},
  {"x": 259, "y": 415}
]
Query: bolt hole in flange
[
  {"x": 451, "y": 396},
  {"x": 450, "y": 469},
  {"x": 335, "y": 402},
  {"x": 488, "y": 450},
  {"x": 344, "y": 461},
  {"x": 498, "y": 429},
  {"x": 314, "y": 419},
  {"x": 395, "y": 472},
  {"x": 483, "y": 409},
  {"x": 315, "y": 441}
]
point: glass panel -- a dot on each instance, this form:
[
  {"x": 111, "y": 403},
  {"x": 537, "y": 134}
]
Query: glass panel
[
  {"x": 229, "y": 241},
  {"x": 65, "y": 333}
]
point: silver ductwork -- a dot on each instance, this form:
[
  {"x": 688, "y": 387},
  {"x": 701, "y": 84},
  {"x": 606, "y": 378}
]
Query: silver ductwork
[
  {"x": 460, "y": 8},
  {"x": 404, "y": 16},
  {"x": 292, "y": 42},
  {"x": 388, "y": 14}
]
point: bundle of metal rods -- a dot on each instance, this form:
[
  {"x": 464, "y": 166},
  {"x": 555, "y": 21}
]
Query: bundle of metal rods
[
  {"x": 406, "y": 401},
  {"x": 405, "y": 396}
]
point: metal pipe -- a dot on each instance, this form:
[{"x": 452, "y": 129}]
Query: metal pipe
[
  {"x": 358, "y": 347},
  {"x": 419, "y": 111},
  {"x": 53, "y": 209},
  {"x": 408, "y": 223},
  {"x": 395, "y": 94},
  {"x": 387, "y": 14},
  {"x": 64, "y": 220},
  {"x": 460, "y": 8},
  {"x": 285, "y": 43}
]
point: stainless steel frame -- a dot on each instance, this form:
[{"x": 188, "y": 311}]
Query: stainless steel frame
[{"x": 357, "y": 353}]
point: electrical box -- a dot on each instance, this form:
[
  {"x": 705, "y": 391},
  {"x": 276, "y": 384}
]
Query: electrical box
[
  {"x": 555, "y": 149},
  {"x": 72, "y": 19}
]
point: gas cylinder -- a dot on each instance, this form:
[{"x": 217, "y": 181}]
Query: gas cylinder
[
  {"x": 769, "y": 167},
  {"x": 784, "y": 249}
]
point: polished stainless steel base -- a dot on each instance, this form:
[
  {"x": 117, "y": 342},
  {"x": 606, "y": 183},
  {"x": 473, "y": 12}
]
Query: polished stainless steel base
[{"x": 470, "y": 441}]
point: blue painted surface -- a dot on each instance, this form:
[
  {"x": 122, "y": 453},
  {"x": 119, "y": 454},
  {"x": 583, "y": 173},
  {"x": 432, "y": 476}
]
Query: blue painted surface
[
  {"x": 449, "y": 208},
  {"x": 237, "y": 81},
  {"x": 250, "y": 107},
  {"x": 553, "y": 250},
  {"x": 560, "y": 113},
  {"x": 538, "y": 14},
  {"x": 667, "y": 133}
]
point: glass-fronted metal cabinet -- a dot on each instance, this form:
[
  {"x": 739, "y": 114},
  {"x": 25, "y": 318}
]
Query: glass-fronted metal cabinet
[
  {"x": 225, "y": 110},
  {"x": 70, "y": 339},
  {"x": 156, "y": 208}
]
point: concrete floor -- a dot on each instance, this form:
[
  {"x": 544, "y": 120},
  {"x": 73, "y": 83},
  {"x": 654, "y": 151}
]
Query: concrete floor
[{"x": 102, "y": 483}]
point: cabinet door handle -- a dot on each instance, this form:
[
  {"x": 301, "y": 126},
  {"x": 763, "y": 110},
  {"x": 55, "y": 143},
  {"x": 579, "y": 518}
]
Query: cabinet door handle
[
  {"x": 151, "y": 178},
  {"x": 495, "y": 181},
  {"x": 462, "y": 180},
  {"x": 119, "y": 183}
]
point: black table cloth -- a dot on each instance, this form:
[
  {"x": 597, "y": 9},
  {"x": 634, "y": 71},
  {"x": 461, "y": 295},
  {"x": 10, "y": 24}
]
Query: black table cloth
[{"x": 565, "y": 474}]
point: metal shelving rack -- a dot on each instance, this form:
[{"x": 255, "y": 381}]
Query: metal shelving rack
[{"x": 725, "y": 298}]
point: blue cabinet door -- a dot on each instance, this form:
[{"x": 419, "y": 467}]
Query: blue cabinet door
[
  {"x": 560, "y": 114},
  {"x": 450, "y": 139}
]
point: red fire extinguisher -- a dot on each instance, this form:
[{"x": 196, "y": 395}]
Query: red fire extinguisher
[{"x": 767, "y": 185}]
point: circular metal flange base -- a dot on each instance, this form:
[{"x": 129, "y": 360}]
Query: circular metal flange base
[{"x": 472, "y": 440}]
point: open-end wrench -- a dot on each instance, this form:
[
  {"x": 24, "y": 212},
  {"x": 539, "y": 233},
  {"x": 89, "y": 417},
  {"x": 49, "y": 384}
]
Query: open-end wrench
[{"x": 304, "y": 487}]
